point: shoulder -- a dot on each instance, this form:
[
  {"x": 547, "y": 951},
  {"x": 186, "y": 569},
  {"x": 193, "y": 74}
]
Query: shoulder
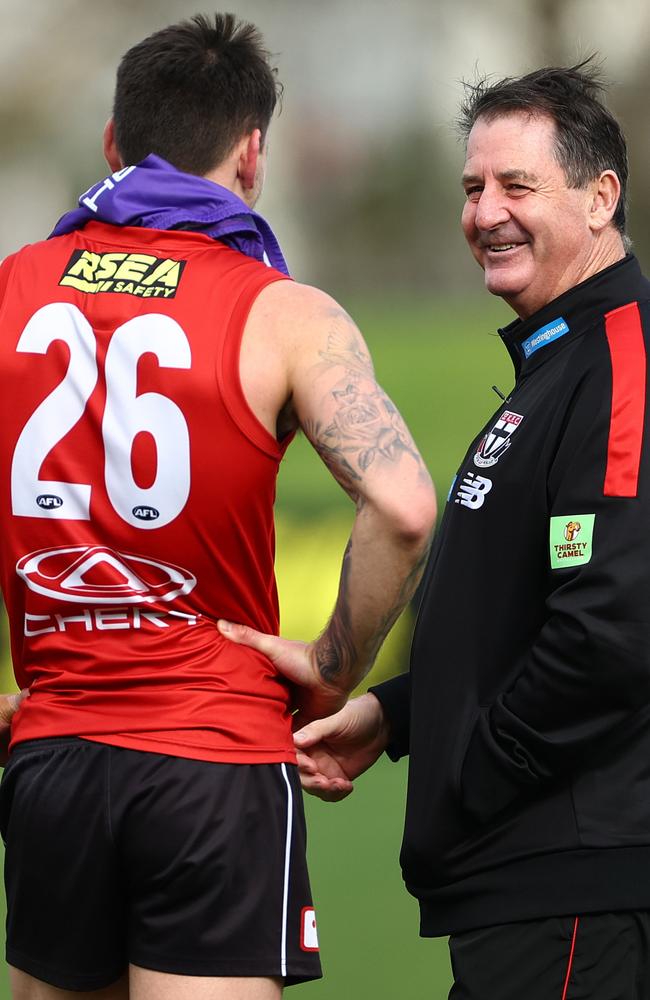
[
  {"x": 282, "y": 299},
  {"x": 297, "y": 316}
]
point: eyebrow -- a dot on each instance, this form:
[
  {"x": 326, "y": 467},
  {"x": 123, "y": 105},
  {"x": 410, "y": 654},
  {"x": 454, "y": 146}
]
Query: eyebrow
[{"x": 506, "y": 175}]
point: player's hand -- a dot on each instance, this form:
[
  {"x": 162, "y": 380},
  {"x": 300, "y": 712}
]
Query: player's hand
[
  {"x": 313, "y": 697},
  {"x": 333, "y": 752},
  {"x": 9, "y": 704}
]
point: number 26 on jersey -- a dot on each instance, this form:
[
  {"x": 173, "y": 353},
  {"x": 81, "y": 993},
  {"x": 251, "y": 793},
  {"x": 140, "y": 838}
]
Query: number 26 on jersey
[{"x": 126, "y": 414}]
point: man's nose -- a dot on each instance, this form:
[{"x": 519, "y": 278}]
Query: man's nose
[{"x": 491, "y": 209}]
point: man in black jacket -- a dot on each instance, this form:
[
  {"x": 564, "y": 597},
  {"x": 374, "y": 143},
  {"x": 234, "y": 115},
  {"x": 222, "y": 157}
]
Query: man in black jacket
[{"x": 526, "y": 711}]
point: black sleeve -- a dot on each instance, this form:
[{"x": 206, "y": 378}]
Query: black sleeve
[
  {"x": 394, "y": 697},
  {"x": 588, "y": 671}
]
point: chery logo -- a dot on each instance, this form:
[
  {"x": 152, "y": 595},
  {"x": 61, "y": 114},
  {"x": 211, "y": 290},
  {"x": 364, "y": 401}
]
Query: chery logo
[{"x": 94, "y": 574}]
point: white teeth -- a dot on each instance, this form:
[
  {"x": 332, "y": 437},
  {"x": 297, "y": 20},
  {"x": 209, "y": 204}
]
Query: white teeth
[{"x": 502, "y": 246}]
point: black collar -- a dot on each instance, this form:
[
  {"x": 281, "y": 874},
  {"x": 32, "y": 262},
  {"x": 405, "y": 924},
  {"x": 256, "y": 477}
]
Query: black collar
[{"x": 531, "y": 341}]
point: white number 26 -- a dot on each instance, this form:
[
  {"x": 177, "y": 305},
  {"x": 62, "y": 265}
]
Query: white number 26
[{"x": 126, "y": 414}]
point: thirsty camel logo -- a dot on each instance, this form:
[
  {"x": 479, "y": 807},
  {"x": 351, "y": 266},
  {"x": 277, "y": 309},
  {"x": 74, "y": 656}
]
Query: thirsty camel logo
[{"x": 571, "y": 530}]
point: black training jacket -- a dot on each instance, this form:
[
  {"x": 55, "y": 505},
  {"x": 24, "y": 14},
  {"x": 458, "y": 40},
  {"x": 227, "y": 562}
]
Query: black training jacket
[{"x": 527, "y": 708}]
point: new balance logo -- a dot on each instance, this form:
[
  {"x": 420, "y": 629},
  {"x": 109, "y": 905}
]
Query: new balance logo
[{"x": 473, "y": 491}]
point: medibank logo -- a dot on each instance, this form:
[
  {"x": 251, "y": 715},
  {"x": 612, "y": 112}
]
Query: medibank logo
[{"x": 545, "y": 335}]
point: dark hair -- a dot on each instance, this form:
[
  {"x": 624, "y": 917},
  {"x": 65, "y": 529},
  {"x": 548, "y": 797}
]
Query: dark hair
[
  {"x": 588, "y": 137},
  {"x": 190, "y": 91}
]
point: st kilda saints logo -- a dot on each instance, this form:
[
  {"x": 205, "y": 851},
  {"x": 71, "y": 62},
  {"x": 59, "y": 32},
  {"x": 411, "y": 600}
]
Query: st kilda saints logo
[
  {"x": 498, "y": 440},
  {"x": 94, "y": 574}
]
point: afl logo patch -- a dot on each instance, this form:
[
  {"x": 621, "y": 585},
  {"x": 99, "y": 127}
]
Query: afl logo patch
[
  {"x": 49, "y": 501},
  {"x": 94, "y": 574},
  {"x": 145, "y": 513}
]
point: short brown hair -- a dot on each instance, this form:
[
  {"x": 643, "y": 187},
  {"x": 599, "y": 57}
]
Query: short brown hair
[
  {"x": 190, "y": 91},
  {"x": 588, "y": 137}
]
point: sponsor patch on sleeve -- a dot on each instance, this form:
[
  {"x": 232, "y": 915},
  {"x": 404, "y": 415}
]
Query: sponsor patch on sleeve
[
  {"x": 139, "y": 274},
  {"x": 570, "y": 539}
]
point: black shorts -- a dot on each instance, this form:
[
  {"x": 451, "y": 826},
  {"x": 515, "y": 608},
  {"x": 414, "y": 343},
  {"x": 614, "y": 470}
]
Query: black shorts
[
  {"x": 118, "y": 856},
  {"x": 596, "y": 956}
]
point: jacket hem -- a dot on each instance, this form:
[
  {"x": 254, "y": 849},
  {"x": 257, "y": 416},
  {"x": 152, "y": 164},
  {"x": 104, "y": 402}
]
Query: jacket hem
[{"x": 596, "y": 880}]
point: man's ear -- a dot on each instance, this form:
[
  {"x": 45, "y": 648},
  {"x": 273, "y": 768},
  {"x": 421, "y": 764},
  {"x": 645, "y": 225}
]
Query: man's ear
[
  {"x": 248, "y": 157},
  {"x": 606, "y": 193},
  {"x": 111, "y": 154}
]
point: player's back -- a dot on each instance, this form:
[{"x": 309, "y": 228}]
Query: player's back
[{"x": 138, "y": 493}]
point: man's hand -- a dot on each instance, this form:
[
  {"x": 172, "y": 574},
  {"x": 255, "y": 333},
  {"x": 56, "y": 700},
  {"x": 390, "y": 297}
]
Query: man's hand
[
  {"x": 333, "y": 752},
  {"x": 9, "y": 704},
  {"x": 313, "y": 697}
]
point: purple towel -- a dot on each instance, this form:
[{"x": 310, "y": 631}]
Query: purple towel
[{"x": 156, "y": 195}]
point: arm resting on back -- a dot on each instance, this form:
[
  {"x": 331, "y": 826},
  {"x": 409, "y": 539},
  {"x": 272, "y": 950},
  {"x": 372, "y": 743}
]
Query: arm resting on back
[
  {"x": 319, "y": 377},
  {"x": 360, "y": 435}
]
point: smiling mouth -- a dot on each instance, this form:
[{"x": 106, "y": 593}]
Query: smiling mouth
[{"x": 502, "y": 247}]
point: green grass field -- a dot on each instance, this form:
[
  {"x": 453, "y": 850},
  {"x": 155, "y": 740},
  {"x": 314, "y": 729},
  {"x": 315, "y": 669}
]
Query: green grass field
[{"x": 438, "y": 361}]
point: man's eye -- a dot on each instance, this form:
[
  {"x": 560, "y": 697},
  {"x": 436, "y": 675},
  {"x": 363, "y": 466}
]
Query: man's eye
[
  {"x": 473, "y": 192},
  {"x": 517, "y": 187}
]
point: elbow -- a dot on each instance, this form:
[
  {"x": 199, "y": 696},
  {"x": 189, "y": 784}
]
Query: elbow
[
  {"x": 411, "y": 520},
  {"x": 419, "y": 526}
]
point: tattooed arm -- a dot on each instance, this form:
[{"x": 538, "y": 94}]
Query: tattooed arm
[{"x": 332, "y": 394}]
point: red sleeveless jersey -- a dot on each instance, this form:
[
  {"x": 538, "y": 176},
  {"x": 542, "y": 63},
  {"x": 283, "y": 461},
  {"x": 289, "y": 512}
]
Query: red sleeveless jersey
[{"x": 137, "y": 496}]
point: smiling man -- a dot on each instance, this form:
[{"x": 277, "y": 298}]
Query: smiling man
[
  {"x": 534, "y": 233},
  {"x": 526, "y": 709}
]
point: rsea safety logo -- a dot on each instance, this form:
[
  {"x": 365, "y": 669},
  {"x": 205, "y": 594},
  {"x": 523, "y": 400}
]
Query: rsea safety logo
[
  {"x": 545, "y": 335},
  {"x": 139, "y": 274},
  {"x": 570, "y": 540}
]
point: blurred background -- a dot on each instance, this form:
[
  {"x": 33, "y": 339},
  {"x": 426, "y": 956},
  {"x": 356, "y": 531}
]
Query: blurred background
[{"x": 363, "y": 192}]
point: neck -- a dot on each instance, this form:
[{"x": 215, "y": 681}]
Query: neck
[
  {"x": 228, "y": 178},
  {"x": 605, "y": 251}
]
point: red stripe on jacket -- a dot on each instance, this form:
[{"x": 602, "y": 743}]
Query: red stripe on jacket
[
  {"x": 571, "y": 956},
  {"x": 627, "y": 349}
]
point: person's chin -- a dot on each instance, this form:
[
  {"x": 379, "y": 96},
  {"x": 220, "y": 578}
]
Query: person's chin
[{"x": 506, "y": 281}]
